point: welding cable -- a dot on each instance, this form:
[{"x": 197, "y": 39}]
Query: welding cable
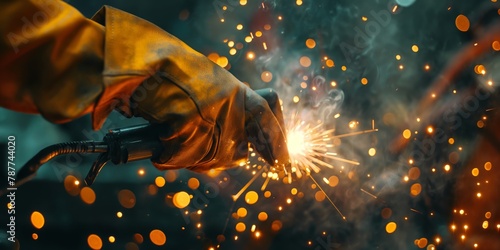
[{"x": 46, "y": 154}]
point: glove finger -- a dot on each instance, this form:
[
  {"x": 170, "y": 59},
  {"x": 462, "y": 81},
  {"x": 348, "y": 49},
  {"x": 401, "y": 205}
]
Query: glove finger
[
  {"x": 273, "y": 101},
  {"x": 265, "y": 128}
]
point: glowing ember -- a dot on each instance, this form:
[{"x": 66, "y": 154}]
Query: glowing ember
[
  {"x": 240, "y": 227},
  {"x": 462, "y": 23},
  {"x": 181, "y": 199},
  {"x": 94, "y": 241},
  {"x": 160, "y": 181},
  {"x": 126, "y": 198},
  {"x": 193, "y": 183},
  {"x": 251, "y": 197},
  {"x": 157, "y": 237},
  {"x": 87, "y": 195},
  {"x": 37, "y": 220},
  {"x": 390, "y": 227},
  {"x": 310, "y": 43},
  {"x": 141, "y": 172}
]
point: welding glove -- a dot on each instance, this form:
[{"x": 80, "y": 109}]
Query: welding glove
[
  {"x": 211, "y": 115},
  {"x": 55, "y": 62}
]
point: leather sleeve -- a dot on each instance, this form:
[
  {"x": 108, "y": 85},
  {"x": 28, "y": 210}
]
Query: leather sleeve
[{"x": 52, "y": 61}]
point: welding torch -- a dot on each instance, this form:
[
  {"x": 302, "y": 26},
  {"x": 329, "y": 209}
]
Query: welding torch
[{"x": 118, "y": 146}]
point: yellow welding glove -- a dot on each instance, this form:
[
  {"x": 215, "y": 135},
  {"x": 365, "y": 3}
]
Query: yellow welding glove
[{"x": 211, "y": 114}]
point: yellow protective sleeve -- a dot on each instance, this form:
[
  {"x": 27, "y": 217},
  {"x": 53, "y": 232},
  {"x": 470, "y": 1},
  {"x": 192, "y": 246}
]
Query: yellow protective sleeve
[{"x": 52, "y": 62}]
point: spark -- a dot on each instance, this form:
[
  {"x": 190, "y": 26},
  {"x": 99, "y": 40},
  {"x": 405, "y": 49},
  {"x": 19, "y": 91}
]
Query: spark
[
  {"x": 237, "y": 195},
  {"x": 415, "y": 211},
  {"x": 394, "y": 9},
  {"x": 309, "y": 146},
  {"x": 305, "y": 145},
  {"x": 356, "y": 133},
  {"x": 328, "y": 197},
  {"x": 141, "y": 172},
  {"x": 368, "y": 193},
  {"x": 265, "y": 183}
]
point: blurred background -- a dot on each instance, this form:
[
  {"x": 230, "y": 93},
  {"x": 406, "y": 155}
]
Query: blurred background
[{"x": 408, "y": 89}]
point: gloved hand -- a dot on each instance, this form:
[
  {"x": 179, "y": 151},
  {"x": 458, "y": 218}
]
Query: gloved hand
[
  {"x": 210, "y": 126},
  {"x": 212, "y": 115}
]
